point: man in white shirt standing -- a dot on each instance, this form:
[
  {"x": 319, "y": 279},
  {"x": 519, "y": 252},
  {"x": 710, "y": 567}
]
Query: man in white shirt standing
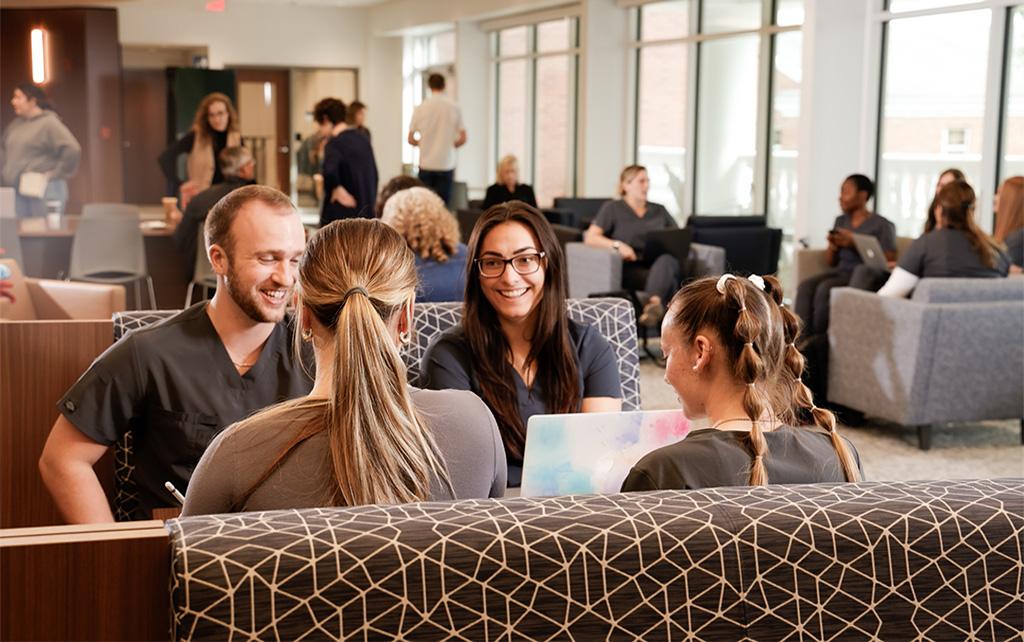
[{"x": 437, "y": 129}]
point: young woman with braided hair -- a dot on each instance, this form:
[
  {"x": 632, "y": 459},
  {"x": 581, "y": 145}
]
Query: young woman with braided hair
[
  {"x": 729, "y": 347},
  {"x": 363, "y": 435}
]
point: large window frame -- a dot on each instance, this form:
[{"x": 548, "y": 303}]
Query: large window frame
[
  {"x": 996, "y": 80},
  {"x": 532, "y": 57},
  {"x": 766, "y": 32}
]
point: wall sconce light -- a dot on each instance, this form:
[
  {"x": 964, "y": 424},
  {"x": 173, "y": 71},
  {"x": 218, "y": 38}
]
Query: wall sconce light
[{"x": 38, "y": 39}]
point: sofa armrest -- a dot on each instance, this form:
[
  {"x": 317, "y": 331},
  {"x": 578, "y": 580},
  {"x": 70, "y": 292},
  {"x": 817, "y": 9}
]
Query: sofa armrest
[
  {"x": 75, "y": 300},
  {"x": 592, "y": 270},
  {"x": 809, "y": 263},
  {"x": 705, "y": 260},
  {"x": 880, "y": 353}
]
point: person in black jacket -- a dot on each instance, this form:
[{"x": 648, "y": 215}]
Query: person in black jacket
[
  {"x": 349, "y": 169},
  {"x": 214, "y": 128},
  {"x": 507, "y": 186},
  {"x": 238, "y": 168}
]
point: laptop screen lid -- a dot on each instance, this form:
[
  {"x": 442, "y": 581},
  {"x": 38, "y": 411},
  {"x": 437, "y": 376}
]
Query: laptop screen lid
[
  {"x": 674, "y": 242},
  {"x": 870, "y": 251},
  {"x": 593, "y": 452}
]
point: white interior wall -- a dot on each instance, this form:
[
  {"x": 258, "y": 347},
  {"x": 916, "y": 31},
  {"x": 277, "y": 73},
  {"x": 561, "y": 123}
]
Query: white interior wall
[{"x": 472, "y": 65}]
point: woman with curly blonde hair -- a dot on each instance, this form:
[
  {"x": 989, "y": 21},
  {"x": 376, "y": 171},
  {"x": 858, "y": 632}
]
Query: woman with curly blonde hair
[{"x": 432, "y": 234}]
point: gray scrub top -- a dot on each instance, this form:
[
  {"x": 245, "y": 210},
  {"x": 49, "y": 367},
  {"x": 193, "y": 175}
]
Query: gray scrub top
[
  {"x": 173, "y": 385},
  {"x": 618, "y": 221}
]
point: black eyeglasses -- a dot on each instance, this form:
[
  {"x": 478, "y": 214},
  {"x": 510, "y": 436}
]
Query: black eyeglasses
[{"x": 524, "y": 264}]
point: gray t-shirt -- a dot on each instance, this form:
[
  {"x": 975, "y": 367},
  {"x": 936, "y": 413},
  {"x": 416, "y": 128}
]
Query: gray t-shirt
[
  {"x": 460, "y": 423},
  {"x": 948, "y": 253},
  {"x": 618, "y": 221},
  {"x": 710, "y": 458},
  {"x": 875, "y": 225}
]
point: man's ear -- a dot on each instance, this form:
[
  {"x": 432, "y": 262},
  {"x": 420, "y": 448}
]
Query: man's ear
[{"x": 218, "y": 259}]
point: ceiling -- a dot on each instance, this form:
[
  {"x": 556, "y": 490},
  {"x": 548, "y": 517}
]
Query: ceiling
[{"x": 27, "y": 4}]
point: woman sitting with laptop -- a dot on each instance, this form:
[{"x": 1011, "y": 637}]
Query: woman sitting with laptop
[
  {"x": 956, "y": 247},
  {"x": 621, "y": 226},
  {"x": 516, "y": 347},
  {"x": 363, "y": 435},
  {"x": 729, "y": 346}
]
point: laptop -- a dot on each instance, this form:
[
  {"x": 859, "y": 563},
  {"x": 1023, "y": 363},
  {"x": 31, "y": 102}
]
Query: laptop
[
  {"x": 675, "y": 242},
  {"x": 593, "y": 452},
  {"x": 870, "y": 251}
]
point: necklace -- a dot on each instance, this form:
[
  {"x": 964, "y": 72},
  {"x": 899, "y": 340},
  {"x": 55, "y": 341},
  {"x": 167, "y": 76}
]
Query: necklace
[
  {"x": 726, "y": 421},
  {"x": 243, "y": 365}
]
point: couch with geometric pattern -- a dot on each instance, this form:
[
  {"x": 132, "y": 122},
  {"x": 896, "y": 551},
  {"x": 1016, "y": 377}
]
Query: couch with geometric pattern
[{"x": 935, "y": 560}]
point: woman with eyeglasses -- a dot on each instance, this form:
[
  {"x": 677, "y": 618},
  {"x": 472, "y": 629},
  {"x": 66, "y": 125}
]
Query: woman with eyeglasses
[{"x": 516, "y": 347}]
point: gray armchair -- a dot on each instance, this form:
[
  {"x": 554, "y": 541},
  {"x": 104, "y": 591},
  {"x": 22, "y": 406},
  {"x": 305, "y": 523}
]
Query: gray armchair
[
  {"x": 593, "y": 270},
  {"x": 952, "y": 352}
]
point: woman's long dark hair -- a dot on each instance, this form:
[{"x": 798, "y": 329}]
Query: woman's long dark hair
[
  {"x": 551, "y": 348},
  {"x": 929, "y": 223},
  {"x": 957, "y": 200}
]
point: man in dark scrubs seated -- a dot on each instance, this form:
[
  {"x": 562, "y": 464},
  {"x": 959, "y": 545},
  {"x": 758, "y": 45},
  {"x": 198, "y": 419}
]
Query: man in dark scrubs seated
[{"x": 177, "y": 384}]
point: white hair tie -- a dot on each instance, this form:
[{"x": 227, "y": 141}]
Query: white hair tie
[
  {"x": 722, "y": 280},
  {"x": 758, "y": 281}
]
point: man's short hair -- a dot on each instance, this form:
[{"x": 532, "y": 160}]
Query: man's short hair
[
  {"x": 233, "y": 159},
  {"x": 331, "y": 110},
  {"x": 218, "y": 223},
  {"x": 863, "y": 184},
  {"x": 435, "y": 82}
]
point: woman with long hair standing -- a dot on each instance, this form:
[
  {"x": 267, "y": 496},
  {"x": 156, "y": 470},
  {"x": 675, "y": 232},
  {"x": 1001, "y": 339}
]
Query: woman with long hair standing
[
  {"x": 730, "y": 354},
  {"x": 516, "y": 346},
  {"x": 38, "y": 142},
  {"x": 363, "y": 435},
  {"x": 956, "y": 247},
  {"x": 214, "y": 128}
]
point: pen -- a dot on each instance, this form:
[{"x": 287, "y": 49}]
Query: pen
[{"x": 174, "y": 491}]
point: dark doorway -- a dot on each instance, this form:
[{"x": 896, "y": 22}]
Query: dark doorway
[{"x": 145, "y": 133}]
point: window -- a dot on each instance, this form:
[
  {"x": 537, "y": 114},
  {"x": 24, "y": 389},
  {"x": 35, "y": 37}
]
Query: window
[
  {"x": 1013, "y": 123},
  {"x": 423, "y": 56},
  {"x": 715, "y": 125},
  {"x": 535, "y": 68}
]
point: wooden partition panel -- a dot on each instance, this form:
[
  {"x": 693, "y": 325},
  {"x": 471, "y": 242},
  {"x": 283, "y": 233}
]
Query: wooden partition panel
[
  {"x": 39, "y": 360},
  {"x": 99, "y": 582}
]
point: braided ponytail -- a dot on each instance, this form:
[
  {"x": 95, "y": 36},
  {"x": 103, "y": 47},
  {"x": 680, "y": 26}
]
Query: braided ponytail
[
  {"x": 800, "y": 395},
  {"x": 750, "y": 369}
]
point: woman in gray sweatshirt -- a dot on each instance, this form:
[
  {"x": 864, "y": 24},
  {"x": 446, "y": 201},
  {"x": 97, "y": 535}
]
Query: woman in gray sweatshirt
[{"x": 37, "y": 141}]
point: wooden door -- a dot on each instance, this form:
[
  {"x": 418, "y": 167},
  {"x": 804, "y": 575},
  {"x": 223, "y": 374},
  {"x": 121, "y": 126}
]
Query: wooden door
[
  {"x": 145, "y": 125},
  {"x": 264, "y": 102}
]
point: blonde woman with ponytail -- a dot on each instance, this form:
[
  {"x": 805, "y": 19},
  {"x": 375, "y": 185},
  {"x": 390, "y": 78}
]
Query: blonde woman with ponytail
[
  {"x": 729, "y": 346},
  {"x": 363, "y": 435}
]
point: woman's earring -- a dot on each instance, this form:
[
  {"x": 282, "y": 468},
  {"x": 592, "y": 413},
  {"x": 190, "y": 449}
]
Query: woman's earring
[
  {"x": 405, "y": 337},
  {"x": 307, "y": 334},
  {"x": 695, "y": 367}
]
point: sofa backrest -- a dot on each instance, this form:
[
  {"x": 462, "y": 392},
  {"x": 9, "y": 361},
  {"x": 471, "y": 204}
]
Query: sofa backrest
[
  {"x": 968, "y": 290},
  {"x": 913, "y": 560}
]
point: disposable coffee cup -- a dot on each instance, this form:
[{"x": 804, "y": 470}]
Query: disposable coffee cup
[{"x": 170, "y": 204}]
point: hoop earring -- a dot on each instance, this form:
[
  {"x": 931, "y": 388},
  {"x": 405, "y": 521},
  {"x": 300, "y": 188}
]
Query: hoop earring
[
  {"x": 405, "y": 337},
  {"x": 307, "y": 334}
]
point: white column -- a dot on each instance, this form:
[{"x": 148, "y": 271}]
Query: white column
[
  {"x": 603, "y": 94},
  {"x": 380, "y": 87},
  {"x": 472, "y": 69},
  {"x": 840, "y": 77}
]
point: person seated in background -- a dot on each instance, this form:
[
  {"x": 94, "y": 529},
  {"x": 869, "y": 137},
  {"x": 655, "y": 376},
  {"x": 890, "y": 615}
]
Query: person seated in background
[
  {"x": 621, "y": 226},
  {"x": 812, "y": 298},
  {"x": 730, "y": 355},
  {"x": 215, "y": 127},
  {"x": 1009, "y": 209},
  {"x": 355, "y": 116},
  {"x": 349, "y": 169},
  {"x": 945, "y": 178},
  {"x": 362, "y": 435},
  {"x": 178, "y": 383},
  {"x": 956, "y": 247},
  {"x": 432, "y": 234},
  {"x": 516, "y": 346},
  {"x": 507, "y": 186},
  {"x": 238, "y": 168},
  {"x": 392, "y": 187}
]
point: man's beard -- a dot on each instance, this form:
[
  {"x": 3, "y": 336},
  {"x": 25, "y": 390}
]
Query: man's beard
[{"x": 246, "y": 300}]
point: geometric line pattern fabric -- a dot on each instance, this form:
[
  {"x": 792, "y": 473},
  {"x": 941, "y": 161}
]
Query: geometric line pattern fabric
[
  {"x": 613, "y": 318},
  {"x": 936, "y": 560}
]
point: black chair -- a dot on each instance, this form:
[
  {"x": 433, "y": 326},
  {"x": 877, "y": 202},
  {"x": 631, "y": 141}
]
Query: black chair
[
  {"x": 467, "y": 220},
  {"x": 566, "y": 234},
  {"x": 584, "y": 209},
  {"x": 751, "y": 247}
]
